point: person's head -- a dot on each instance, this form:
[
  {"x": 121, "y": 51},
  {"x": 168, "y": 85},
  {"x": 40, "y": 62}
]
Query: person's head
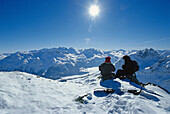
[
  {"x": 126, "y": 58},
  {"x": 107, "y": 59}
]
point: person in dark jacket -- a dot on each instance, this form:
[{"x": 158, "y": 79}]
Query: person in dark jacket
[
  {"x": 107, "y": 69},
  {"x": 128, "y": 69}
]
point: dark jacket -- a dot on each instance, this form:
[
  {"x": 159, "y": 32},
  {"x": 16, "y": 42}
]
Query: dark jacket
[
  {"x": 130, "y": 67},
  {"x": 107, "y": 70}
]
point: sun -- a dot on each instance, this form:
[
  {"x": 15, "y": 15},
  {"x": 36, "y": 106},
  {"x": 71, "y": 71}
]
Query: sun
[{"x": 94, "y": 10}]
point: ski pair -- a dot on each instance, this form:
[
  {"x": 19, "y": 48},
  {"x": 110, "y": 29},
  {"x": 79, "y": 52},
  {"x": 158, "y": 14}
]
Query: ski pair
[{"x": 110, "y": 90}]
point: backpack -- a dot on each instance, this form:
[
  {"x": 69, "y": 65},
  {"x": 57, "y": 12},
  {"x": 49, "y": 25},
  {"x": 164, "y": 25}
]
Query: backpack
[{"x": 135, "y": 66}]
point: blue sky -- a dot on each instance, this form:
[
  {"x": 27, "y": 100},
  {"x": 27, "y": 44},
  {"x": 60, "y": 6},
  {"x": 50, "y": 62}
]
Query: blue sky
[{"x": 121, "y": 24}]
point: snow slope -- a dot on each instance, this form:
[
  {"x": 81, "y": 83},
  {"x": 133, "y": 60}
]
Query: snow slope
[
  {"x": 23, "y": 93},
  {"x": 158, "y": 73},
  {"x": 162, "y": 66},
  {"x": 2, "y": 56}
]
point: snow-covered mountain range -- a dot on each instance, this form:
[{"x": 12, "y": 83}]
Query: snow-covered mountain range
[
  {"x": 22, "y": 92},
  {"x": 56, "y": 62},
  {"x": 145, "y": 58}
]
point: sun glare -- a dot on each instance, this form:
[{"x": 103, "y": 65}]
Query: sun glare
[{"x": 94, "y": 10}]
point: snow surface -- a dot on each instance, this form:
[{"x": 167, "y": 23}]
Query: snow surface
[
  {"x": 2, "y": 56},
  {"x": 23, "y": 93}
]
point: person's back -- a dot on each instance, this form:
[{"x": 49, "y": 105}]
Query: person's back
[
  {"x": 129, "y": 68},
  {"x": 107, "y": 69}
]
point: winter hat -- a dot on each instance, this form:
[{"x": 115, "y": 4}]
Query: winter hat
[
  {"x": 126, "y": 57},
  {"x": 107, "y": 59}
]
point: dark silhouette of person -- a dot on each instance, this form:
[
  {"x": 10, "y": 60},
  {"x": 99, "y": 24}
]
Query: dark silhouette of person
[
  {"x": 107, "y": 69},
  {"x": 129, "y": 67}
]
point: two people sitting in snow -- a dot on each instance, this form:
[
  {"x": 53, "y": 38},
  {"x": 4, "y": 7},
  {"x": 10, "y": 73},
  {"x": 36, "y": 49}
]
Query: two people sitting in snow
[{"x": 128, "y": 69}]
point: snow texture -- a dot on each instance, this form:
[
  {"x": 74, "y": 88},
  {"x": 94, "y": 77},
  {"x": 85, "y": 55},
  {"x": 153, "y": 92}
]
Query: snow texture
[{"x": 23, "y": 93}]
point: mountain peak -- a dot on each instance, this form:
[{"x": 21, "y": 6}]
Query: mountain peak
[
  {"x": 147, "y": 53},
  {"x": 67, "y": 50},
  {"x": 91, "y": 52}
]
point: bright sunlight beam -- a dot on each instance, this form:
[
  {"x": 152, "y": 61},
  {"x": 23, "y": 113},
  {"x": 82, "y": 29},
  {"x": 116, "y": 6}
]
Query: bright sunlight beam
[{"x": 94, "y": 10}]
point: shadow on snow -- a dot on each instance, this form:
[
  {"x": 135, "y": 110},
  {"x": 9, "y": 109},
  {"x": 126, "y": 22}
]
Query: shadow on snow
[{"x": 116, "y": 86}]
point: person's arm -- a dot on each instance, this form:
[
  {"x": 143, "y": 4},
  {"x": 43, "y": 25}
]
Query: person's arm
[
  {"x": 123, "y": 66},
  {"x": 114, "y": 68}
]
